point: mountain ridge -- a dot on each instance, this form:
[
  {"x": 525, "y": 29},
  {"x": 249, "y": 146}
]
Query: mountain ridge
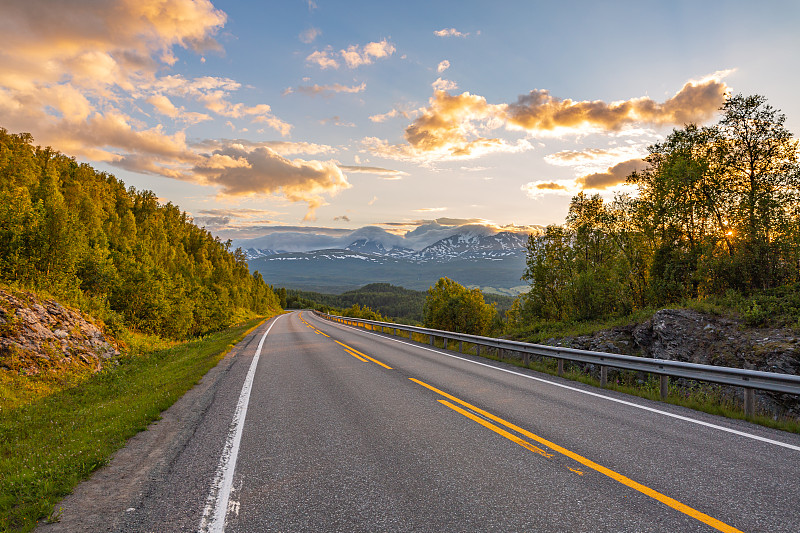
[{"x": 486, "y": 259}]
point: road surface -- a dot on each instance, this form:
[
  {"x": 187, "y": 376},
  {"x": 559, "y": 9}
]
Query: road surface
[{"x": 316, "y": 426}]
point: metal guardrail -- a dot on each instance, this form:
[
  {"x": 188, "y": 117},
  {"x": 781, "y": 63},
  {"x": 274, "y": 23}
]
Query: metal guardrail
[{"x": 750, "y": 380}]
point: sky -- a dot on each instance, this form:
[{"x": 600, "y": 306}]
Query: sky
[{"x": 330, "y": 115}]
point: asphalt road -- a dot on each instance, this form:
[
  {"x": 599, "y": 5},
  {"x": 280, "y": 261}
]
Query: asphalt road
[{"x": 340, "y": 429}]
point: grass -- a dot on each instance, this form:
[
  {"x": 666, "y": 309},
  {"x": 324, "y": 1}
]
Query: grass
[
  {"x": 55, "y": 434},
  {"x": 538, "y": 332}
]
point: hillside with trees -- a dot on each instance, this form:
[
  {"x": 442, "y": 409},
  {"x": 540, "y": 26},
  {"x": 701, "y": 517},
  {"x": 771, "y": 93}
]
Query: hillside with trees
[
  {"x": 715, "y": 215},
  {"x": 397, "y": 303},
  {"x": 79, "y": 235}
]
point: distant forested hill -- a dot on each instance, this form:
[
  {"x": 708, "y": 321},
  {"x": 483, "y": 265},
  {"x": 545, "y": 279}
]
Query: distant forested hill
[
  {"x": 389, "y": 300},
  {"x": 116, "y": 253}
]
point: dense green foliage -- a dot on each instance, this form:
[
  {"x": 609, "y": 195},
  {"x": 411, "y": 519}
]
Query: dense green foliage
[
  {"x": 397, "y": 303},
  {"x": 717, "y": 210},
  {"x": 49, "y": 445},
  {"x": 450, "y": 306},
  {"x": 117, "y": 253}
]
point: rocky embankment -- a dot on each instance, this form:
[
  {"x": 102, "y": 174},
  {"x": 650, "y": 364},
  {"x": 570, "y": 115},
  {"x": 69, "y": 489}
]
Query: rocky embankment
[
  {"x": 691, "y": 336},
  {"x": 41, "y": 335}
]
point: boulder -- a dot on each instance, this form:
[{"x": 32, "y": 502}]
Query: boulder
[{"x": 37, "y": 336}]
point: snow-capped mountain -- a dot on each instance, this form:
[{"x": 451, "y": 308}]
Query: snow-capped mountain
[
  {"x": 472, "y": 255},
  {"x": 366, "y": 246},
  {"x": 468, "y": 245}
]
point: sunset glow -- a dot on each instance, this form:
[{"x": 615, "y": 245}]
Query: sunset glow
[{"x": 251, "y": 115}]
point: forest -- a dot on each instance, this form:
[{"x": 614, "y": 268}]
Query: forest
[
  {"x": 118, "y": 254},
  {"x": 716, "y": 214},
  {"x": 396, "y": 303}
]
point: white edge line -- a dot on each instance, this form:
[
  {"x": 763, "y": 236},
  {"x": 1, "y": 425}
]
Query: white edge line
[
  {"x": 216, "y": 509},
  {"x": 651, "y": 409}
]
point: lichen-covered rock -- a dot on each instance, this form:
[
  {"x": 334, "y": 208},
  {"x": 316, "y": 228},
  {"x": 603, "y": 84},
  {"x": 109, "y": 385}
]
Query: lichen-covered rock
[
  {"x": 694, "y": 337},
  {"x": 44, "y": 335}
]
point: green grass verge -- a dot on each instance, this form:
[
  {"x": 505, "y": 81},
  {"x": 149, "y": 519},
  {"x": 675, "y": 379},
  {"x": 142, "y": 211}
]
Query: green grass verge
[{"x": 49, "y": 445}]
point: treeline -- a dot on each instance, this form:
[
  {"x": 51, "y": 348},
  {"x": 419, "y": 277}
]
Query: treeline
[
  {"x": 389, "y": 300},
  {"x": 117, "y": 253},
  {"x": 396, "y": 303},
  {"x": 716, "y": 211}
]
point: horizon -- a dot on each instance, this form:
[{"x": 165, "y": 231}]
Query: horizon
[{"x": 254, "y": 117}]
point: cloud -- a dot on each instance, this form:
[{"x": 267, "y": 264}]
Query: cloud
[
  {"x": 284, "y": 148},
  {"x": 343, "y": 218},
  {"x": 615, "y": 175},
  {"x": 444, "y": 85},
  {"x": 596, "y": 160},
  {"x": 385, "y": 172},
  {"x": 322, "y": 59},
  {"x": 77, "y": 75},
  {"x": 240, "y": 171},
  {"x": 449, "y": 128},
  {"x": 163, "y": 105},
  {"x": 430, "y": 209},
  {"x": 442, "y": 66},
  {"x": 537, "y": 189},
  {"x": 308, "y": 36},
  {"x": 336, "y": 120},
  {"x": 325, "y": 90},
  {"x": 244, "y": 213},
  {"x": 394, "y": 113},
  {"x": 459, "y": 126},
  {"x": 449, "y": 32},
  {"x": 87, "y": 41},
  {"x": 353, "y": 56},
  {"x": 540, "y": 112}
]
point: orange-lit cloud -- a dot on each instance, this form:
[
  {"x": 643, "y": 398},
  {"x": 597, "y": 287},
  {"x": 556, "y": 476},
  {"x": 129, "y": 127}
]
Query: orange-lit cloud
[
  {"x": 444, "y": 85},
  {"x": 353, "y": 56},
  {"x": 163, "y": 105},
  {"x": 615, "y": 175},
  {"x": 442, "y": 66},
  {"x": 538, "y": 111},
  {"x": 247, "y": 171},
  {"x": 386, "y": 173},
  {"x": 537, "y": 189},
  {"x": 458, "y": 126},
  {"x": 449, "y": 128},
  {"x": 82, "y": 76}
]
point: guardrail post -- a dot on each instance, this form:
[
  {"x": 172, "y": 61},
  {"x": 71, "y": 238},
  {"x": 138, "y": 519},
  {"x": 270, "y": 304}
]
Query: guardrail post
[
  {"x": 526, "y": 358},
  {"x": 664, "y": 386},
  {"x": 432, "y": 339},
  {"x": 749, "y": 402},
  {"x": 477, "y": 349},
  {"x": 603, "y": 375},
  {"x": 445, "y": 342},
  {"x": 460, "y": 346},
  {"x": 560, "y": 367}
]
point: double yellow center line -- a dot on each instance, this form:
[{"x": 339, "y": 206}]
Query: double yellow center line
[
  {"x": 482, "y": 420},
  {"x": 358, "y": 355},
  {"x": 494, "y": 423}
]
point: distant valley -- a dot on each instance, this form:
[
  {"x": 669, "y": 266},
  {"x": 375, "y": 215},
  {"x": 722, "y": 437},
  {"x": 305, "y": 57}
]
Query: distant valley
[{"x": 475, "y": 256}]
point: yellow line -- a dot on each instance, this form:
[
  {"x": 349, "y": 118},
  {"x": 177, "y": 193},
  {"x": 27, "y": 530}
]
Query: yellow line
[
  {"x": 675, "y": 504},
  {"x": 321, "y": 333},
  {"x": 525, "y": 444},
  {"x": 364, "y": 355},
  {"x": 355, "y": 355}
]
